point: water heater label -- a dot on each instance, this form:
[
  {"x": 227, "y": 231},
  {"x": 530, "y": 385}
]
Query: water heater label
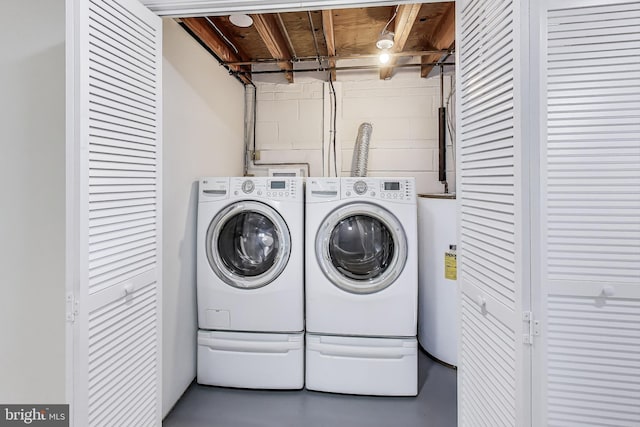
[{"x": 450, "y": 266}]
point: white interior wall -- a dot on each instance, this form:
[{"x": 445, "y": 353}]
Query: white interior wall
[
  {"x": 32, "y": 206},
  {"x": 292, "y": 124},
  {"x": 203, "y": 123}
]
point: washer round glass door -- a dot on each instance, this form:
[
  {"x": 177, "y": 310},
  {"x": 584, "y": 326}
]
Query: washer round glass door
[
  {"x": 248, "y": 244},
  {"x": 361, "y": 248}
]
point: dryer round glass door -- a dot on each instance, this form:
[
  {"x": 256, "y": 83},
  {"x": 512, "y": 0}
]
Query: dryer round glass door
[
  {"x": 248, "y": 244},
  {"x": 361, "y": 248}
]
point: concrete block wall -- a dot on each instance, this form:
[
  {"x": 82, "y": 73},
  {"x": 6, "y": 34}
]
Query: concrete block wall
[
  {"x": 293, "y": 125},
  {"x": 289, "y": 124},
  {"x": 404, "y": 115}
]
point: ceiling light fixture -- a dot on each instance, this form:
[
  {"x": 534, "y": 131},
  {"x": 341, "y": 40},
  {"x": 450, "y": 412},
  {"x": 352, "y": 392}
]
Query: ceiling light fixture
[
  {"x": 385, "y": 40},
  {"x": 241, "y": 20}
]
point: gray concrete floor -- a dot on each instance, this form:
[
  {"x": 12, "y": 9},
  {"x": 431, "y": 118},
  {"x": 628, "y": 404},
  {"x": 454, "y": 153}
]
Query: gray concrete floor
[{"x": 435, "y": 406}]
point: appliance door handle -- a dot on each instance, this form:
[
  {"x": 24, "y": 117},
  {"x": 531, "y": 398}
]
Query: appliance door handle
[
  {"x": 361, "y": 352},
  {"x": 249, "y": 346}
]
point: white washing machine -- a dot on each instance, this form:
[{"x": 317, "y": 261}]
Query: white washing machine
[
  {"x": 361, "y": 285},
  {"x": 250, "y": 282}
]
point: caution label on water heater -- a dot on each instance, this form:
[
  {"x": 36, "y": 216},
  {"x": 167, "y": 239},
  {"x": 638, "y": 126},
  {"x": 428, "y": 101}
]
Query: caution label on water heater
[{"x": 450, "y": 266}]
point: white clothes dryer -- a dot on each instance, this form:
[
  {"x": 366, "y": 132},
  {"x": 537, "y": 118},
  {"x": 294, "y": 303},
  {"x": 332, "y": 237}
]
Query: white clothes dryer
[
  {"x": 250, "y": 274},
  {"x": 250, "y": 282},
  {"x": 361, "y": 285},
  {"x": 361, "y": 256}
]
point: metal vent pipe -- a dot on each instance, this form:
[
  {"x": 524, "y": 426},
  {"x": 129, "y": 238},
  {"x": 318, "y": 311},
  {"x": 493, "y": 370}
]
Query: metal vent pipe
[{"x": 361, "y": 150}]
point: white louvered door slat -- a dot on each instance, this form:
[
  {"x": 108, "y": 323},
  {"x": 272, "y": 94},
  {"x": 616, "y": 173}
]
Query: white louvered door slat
[
  {"x": 589, "y": 207},
  {"x": 494, "y": 361},
  {"x": 117, "y": 144}
]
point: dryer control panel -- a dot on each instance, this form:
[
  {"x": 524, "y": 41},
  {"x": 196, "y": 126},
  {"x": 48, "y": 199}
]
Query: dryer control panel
[
  {"x": 321, "y": 189},
  {"x": 391, "y": 189}
]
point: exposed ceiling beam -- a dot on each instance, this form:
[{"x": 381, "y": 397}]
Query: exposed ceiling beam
[
  {"x": 443, "y": 37},
  {"x": 212, "y": 40},
  {"x": 407, "y": 14},
  {"x": 267, "y": 27},
  {"x": 286, "y": 35},
  {"x": 329, "y": 37}
]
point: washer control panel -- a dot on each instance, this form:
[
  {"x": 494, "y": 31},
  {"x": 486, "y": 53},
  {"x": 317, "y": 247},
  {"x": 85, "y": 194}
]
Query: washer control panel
[
  {"x": 392, "y": 189},
  {"x": 248, "y": 186},
  {"x": 267, "y": 188}
]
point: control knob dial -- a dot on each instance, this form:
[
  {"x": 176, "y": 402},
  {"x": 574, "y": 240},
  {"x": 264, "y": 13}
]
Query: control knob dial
[
  {"x": 248, "y": 186},
  {"x": 360, "y": 187}
]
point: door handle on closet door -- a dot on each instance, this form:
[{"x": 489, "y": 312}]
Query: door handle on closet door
[
  {"x": 608, "y": 291},
  {"x": 128, "y": 289},
  {"x": 482, "y": 301}
]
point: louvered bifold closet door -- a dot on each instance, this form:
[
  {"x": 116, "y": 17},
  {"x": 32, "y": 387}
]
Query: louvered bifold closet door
[
  {"x": 117, "y": 362},
  {"x": 494, "y": 362},
  {"x": 590, "y": 212}
]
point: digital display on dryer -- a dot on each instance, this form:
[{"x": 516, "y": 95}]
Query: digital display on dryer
[
  {"x": 278, "y": 185},
  {"x": 391, "y": 186}
]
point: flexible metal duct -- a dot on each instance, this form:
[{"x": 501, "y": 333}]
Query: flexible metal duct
[
  {"x": 361, "y": 150},
  {"x": 249, "y": 125}
]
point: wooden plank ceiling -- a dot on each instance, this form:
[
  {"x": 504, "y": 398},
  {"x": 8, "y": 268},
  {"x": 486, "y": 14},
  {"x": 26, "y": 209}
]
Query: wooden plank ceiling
[{"x": 422, "y": 32}]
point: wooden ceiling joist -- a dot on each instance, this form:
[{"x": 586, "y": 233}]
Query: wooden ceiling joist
[
  {"x": 425, "y": 31},
  {"x": 329, "y": 36},
  {"x": 444, "y": 38},
  {"x": 207, "y": 35},
  {"x": 406, "y": 16},
  {"x": 267, "y": 27}
]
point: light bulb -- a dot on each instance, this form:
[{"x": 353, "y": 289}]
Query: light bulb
[{"x": 384, "y": 57}]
